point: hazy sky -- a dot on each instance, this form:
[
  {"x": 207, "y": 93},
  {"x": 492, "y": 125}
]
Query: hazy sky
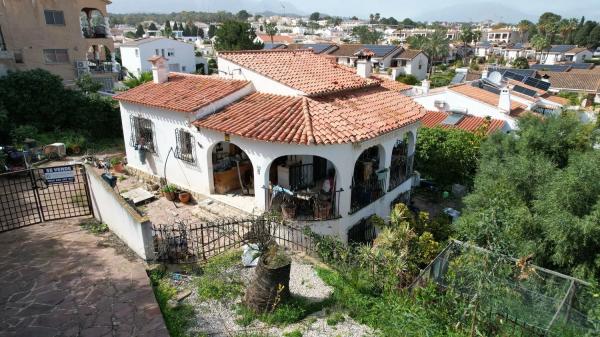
[{"x": 422, "y": 9}]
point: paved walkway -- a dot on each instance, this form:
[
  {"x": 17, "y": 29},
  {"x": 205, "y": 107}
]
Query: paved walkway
[{"x": 58, "y": 280}]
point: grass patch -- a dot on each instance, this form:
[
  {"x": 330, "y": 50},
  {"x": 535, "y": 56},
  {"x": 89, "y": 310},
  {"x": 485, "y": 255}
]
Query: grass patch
[
  {"x": 335, "y": 318},
  {"x": 293, "y": 310},
  {"x": 295, "y": 333},
  {"x": 218, "y": 280},
  {"x": 94, "y": 226},
  {"x": 177, "y": 319},
  {"x": 390, "y": 314}
]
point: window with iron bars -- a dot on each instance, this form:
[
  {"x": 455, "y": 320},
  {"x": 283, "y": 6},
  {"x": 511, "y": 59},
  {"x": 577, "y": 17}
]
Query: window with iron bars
[
  {"x": 184, "y": 149},
  {"x": 142, "y": 135}
]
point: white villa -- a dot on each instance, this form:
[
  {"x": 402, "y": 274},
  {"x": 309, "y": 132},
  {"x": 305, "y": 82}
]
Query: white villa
[
  {"x": 286, "y": 130},
  {"x": 180, "y": 55},
  {"x": 564, "y": 53}
]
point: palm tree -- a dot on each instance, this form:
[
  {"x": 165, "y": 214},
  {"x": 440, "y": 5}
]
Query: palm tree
[
  {"x": 524, "y": 26},
  {"x": 466, "y": 36},
  {"x": 540, "y": 43},
  {"x": 133, "y": 81},
  {"x": 271, "y": 30},
  {"x": 436, "y": 46}
]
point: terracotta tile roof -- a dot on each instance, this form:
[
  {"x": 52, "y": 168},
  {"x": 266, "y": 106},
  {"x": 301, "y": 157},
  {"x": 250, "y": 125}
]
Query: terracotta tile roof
[
  {"x": 391, "y": 85},
  {"x": 575, "y": 81},
  {"x": 352, "y": 116},
  {"x": 182, "y": 92},
  {"x": 484, "y": 96},
  {"x": 276, "y": 38},
  {"x": 408, "y": 54},
  {"x": 467, "y": 123},
  {"x": 302, "y": 70},
  {"x": 556, "y": 99}
]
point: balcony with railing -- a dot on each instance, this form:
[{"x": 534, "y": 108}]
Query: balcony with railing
[
  {"x": 303, "y": 188},
  {"x": 94, "y": 25},
  {"x": 368, "y": 191}
]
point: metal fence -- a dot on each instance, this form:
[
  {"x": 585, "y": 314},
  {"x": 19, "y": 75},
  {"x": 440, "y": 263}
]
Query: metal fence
[
  {"x": 365, "y": 193},
  {"x": 41, "y": 194},
  {"x": 538, "y": 300},
  {"x": 196, "y": 242}
]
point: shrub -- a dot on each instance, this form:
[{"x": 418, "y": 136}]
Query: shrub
[{"x": 407, "y": 79}]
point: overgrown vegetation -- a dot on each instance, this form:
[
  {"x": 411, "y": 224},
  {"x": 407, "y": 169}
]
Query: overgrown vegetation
[
  {"x": 218, "y": 280},
  {"x": 178, "y": 318},
  {"x": 94, "y": 226},
  {"x": 407, "y": 79},
  {"x": 538, "y": 194},
  {"x": 288, "y": 312},
  {"x": 36, "y": 105}
]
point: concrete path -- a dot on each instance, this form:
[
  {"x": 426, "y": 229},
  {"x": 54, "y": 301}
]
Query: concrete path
[{"x": 56, "y": 279}]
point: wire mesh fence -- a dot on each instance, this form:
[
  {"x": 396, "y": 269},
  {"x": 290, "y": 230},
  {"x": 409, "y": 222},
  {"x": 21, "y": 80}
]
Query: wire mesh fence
[
  {"x": 183, "y": 242},
  {"x": 542, "y": 301}
]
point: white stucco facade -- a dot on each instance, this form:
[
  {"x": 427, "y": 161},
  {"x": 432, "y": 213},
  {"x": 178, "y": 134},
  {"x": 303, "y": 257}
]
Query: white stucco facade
[
  {"x": 198, "y": 176},
  {"x": 416, "y": 67},
  {"x": 180, "y": 55}
]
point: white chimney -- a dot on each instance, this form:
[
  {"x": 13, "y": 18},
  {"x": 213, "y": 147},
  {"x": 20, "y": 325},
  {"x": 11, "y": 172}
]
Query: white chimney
[
  {"x": 425, "y": 85},
  {"x": 504, "y": 101},
  {"x": 484, "y": 74},
  {"x": 363, "y": 68},
  {"x": 395, "y": 73},
  {"x": 160, "y": 73}
]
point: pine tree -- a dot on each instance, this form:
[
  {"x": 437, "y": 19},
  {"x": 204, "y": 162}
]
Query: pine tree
[
  {"x": 175, "y": 27},
  {"x": 140, "y": 31}
]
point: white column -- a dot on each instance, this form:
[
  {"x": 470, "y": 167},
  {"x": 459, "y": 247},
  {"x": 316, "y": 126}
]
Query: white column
[{"x": 260, "y": 166}]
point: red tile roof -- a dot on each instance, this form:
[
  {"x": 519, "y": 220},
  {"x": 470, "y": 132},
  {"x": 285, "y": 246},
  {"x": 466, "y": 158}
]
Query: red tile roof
[
  {"x": 276, "y": 38},
  {"x": 300, "y": 69},
  {"x": 485, "y": 96},
  {"x": 182, "y": 92},
  {"x": 467, "y": 123},
  {"x": 352, "y": 116}
]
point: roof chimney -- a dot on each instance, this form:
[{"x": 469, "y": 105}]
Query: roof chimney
[
  {"x": 160, "y": 73},
  {"x": 425, "y": 85},
  {"x": 504, "y": 101},
  {"x": 363, "y": 64},
  {"x": 484, "y": 74}
]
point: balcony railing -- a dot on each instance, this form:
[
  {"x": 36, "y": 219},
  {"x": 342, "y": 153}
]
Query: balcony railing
[
  {"x": 303, "y": 205},
  {"x": 301, "y": 176},
  {"x": 400, "y": 171},
  {"x": 95, "y": 32},
  {"x": 367, "y": 192}
]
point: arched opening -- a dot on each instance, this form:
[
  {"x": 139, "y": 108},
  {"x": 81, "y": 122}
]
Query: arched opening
[
  {"x": 232, "y": 170},
  {"x": 93, "y": 24},
  {"x": 303, "y": 187},
  {"x": 402, "y": 161},
  {"x": 369, "y": 178}
]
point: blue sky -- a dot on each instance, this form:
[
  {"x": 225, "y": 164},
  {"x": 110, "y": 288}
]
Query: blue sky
[{"x": 505, "y": 10}]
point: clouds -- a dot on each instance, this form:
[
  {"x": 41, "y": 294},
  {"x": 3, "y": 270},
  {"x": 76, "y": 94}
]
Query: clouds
[{"x": 507, "y": 10}]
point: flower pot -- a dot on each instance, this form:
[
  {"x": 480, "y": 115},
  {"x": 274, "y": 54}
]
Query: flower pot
[
  {"x": 169, "y": 195},
  {"x": 142, "y": 154},
  {"x": 322, "y": 210},
  {"x": 184, "y": 197},
  {"x": 119, "y": 168},
  {"x": 288, "y": 211}
]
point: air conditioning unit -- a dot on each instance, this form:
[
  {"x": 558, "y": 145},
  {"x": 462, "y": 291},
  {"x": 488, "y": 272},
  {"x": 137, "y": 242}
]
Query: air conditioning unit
[
  {"x": 439, "y": 104},
  {"x": 81, "y": 64}
]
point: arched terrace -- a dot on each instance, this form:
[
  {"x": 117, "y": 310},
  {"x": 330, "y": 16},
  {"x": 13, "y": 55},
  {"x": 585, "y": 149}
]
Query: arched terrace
[
  {"x": 303, "y": 187},
  {"x": 232, "y": 170},
  {"x": 369, "y": 178},
  {"x": 93, "y": 24},
  {"x": 402, "y": 161}
]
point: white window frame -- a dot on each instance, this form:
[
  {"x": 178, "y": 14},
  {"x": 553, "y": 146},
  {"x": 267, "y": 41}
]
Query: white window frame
[{"x": 48, "y": 54}]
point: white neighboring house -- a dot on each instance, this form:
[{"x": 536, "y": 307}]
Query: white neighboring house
[
  {"x": 483, "y": 49},
  {"x": 564, "y": 53},
  {"x": 506, "y": 99},
  {"x": 410, "y": 62},
  {"x": 268, "y": 130},
  {"x": 180, "y": 55}
]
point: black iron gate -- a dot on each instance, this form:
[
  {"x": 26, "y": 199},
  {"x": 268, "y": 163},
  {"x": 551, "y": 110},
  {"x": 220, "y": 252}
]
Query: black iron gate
[{"x": 42, "y": 194}]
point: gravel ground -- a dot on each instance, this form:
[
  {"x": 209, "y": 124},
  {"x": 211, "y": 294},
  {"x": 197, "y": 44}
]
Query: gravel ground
[{"x": 218, "y": 317}]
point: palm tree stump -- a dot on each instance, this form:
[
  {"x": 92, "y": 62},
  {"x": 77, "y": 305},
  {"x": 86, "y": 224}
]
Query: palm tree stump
[{"x": 271, "y": 284}]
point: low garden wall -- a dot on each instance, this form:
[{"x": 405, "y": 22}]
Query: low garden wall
[{"x": 122, "y": 219}]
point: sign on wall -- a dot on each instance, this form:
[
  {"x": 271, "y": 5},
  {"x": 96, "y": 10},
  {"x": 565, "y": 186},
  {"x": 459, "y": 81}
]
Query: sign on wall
[{"x": 59, "y": 174}]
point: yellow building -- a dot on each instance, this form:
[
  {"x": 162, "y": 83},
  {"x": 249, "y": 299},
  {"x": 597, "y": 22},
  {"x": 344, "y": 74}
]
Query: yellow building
[{"x": 66, "y": 37}]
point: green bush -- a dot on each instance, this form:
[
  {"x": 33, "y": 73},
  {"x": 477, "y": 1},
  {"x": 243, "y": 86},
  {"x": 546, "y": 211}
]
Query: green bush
[
  {"x": 407, "y": 79},
  {"x": 178, "y": 319}
]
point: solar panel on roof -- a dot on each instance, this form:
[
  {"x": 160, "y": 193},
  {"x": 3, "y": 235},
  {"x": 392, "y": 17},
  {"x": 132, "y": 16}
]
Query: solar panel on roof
[
  {"x": 316, "y": 47},
  {"x": 581, "y": 65},
  {"x": 458, "y": 78},
  {"x": 561, "y": 48},
  {"x": 534, "y": 82},
  {"x": 551, "y": 67},
  {"x": 453, "y": 119},
  {"x": 486, "y": 87},
  {"x": 268, "y": 46},
  {"x": 514, "y": 76},
  {"x": 525, "y": 91},
  {"x": 379, "y": 49}
]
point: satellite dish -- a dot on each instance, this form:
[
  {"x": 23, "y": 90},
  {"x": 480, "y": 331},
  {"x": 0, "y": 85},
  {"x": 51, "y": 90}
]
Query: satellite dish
[{"x": 495, "y": 77}]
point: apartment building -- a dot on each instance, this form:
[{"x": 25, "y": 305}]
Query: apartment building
[{"x": 67, "y": 38}]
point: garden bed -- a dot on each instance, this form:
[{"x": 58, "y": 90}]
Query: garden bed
[{"x": 213, "y": 305}]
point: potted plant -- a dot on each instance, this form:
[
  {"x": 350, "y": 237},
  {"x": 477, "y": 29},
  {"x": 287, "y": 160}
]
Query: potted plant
[
  {"x": 169, "y": 192},
  {"x": 117, "y": 164},
  {"x": 184, "y": 196}
]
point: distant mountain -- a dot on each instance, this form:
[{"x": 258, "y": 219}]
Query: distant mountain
[
  {"x": 477, "y": 11},
  {"x": 160, "y": 6}
]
